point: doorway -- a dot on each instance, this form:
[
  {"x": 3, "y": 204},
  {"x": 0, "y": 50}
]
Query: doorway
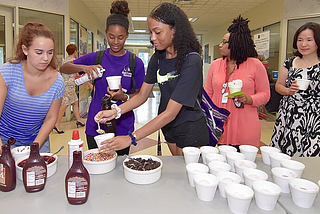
[{"x": 6, "y": 34}]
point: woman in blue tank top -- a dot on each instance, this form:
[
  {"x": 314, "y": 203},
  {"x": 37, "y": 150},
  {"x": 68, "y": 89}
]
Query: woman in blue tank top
[{"x": 30, "y": 89}]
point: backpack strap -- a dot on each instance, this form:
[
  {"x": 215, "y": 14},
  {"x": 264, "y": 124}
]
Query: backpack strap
[
  {"x": 99, "y": 57},
  {"x": 132, "y": 66}
]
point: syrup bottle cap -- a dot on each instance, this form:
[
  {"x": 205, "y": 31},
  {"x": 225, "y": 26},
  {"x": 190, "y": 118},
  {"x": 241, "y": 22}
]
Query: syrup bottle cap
[{"x": 75, "y": 135}]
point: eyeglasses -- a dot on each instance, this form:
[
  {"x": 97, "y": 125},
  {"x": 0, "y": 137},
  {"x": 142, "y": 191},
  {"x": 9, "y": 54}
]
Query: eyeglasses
[{"x": 224, "y": 42}]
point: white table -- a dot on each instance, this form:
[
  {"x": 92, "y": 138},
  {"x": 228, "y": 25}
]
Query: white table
[{"x": 112, "y": 193}]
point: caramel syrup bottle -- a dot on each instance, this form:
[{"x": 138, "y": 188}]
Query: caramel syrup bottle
[
  {"x": 109, "y": 126},
  {"x": 34, "y": 172},
  {"x": 7, "y": 170},
  {"x": 77, "y": 182}
]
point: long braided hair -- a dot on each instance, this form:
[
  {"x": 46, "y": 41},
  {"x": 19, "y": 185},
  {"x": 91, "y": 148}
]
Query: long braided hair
[{"x": 240, "y": 42}]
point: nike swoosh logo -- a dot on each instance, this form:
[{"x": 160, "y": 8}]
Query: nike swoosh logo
[{"x": 161, "y": 79}]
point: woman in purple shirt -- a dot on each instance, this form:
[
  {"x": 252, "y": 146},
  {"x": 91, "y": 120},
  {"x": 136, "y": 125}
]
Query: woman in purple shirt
[{"x": 115, "y": 61}]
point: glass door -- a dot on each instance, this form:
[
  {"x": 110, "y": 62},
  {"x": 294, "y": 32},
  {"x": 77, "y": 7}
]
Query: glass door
[{"x": 6, "y": 34}]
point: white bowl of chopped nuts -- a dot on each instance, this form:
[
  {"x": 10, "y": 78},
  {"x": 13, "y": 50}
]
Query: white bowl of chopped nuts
[
  {"x": 99, "y": 163},
  {"x": 143, "y": 169}
]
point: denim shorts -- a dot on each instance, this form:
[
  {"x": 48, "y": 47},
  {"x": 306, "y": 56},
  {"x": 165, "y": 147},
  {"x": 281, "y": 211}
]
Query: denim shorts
[
  {"x": 191, "y": 133},
  {"x": 44, "y": 148}
]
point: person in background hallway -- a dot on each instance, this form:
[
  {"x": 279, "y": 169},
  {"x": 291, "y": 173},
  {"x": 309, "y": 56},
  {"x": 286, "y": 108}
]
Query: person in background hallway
[
  {"x": 31, "y": 89},
  {"x": 239, "y": 62},
  {"x": 297, "y": 128},
  {"x": 70, "y": 96},
  {"x": 177, "y": 67},
  {"x": 116, "y": 63}
]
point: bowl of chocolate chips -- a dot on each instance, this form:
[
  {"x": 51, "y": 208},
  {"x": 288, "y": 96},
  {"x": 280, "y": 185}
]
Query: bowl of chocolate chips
[{"x": 142, "y": 169}]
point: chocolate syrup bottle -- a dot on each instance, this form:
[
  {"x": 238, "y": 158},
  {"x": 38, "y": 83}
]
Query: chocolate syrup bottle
[
  {"x": 7, "y": 170},
  {"x": 109, "y": 126},
  {"x": 34, "y": 171},
  {"x": 77, "y": 182}
]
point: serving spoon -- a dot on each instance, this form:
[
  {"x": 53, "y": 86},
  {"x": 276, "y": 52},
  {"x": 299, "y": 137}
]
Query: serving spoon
[
  {"x": 99, "y": 130},
  {"x": 130, "y": 158},
  {"x": 47, "y": 161}
]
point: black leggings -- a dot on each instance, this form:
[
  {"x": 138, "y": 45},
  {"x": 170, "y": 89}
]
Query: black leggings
[{"x": 92, "y": 145}]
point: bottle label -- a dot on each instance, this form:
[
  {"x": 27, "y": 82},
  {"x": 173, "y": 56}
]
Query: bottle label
[
  {"x": 85, "y": 78},
  {"x": 77, "y": 187},
  {"x": 36, "y": 175},
  {"x": 2, "y": 175}
]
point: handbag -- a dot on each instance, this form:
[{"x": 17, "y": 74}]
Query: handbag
[{"x": 215, "y": 117}]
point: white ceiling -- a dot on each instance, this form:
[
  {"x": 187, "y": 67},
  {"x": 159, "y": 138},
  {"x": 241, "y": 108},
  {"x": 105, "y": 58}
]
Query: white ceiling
[{"x": 210, "y": 13}]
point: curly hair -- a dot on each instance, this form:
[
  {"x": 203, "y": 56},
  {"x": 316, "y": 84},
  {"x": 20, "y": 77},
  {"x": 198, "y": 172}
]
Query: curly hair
[
  {"x": 184, "y": 40},
  {"x": 121, "y": 7},
  {"x": 28, "y": 33},
  {"x": 118, "y": 15},
  {"x": 315, "y": 27},
  {"x": 240, "y": 42}
]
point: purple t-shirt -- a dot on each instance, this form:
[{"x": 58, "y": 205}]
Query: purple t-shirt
[{"x": 114, "y": 66}]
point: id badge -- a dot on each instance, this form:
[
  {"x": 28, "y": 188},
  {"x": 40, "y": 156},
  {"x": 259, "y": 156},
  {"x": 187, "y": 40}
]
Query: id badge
[{"x": 224, "y": 98}]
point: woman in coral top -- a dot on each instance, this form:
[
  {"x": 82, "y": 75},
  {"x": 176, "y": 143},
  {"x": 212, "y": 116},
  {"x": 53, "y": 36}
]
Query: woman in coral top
[{"x": 239, "y": 62}]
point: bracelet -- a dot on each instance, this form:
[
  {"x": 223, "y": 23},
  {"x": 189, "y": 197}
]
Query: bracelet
[
  {"x": 114, "y": 106},
  {"x": 133, "y": 138},
  {"x": 128, "y": 97}
]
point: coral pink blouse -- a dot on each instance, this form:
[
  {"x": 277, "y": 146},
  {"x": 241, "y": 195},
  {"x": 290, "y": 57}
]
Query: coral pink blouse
[{"x": 242, "y": 125}]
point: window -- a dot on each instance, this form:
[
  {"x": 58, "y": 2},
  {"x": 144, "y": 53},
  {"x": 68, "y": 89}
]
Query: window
[
  {"x": 53, "y": 21},
  {"x": 273, "y": 48},
  {"x": 74, "y": 33}
]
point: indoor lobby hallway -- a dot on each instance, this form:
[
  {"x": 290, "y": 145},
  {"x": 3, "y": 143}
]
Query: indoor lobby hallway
[{"x": 148, "y": 145}]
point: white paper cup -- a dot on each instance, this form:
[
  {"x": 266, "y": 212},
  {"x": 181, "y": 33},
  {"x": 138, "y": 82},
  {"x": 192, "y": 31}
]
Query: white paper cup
[
  {"x": 215, "y": 157},
  {"x": 226, "y": 148},
  {"x": 102, "y": 137},
  {"x": 296, "y": 166},
  {"x": 251, "y": 175},
  {"x": 277, "y": 157},
  {"x": 237, "y": 82},
  {"x": 218, "y": 166},
  {"x": 191, "y": 154},
  {"x": 241, "y": 165},
  {"x": 206, "y": 186},
  {"x": 281, "y": 177},
  {"x": 232, "y": 156},
  {"x": 265, "y": 151},
  {"x": 266, "y": 194},
  {"x": 19, "y": 152},
  {"x": 239, "y": 198},
  {"x": 303, "y": 84},
  {"x": 195, "y": 168},
  {"x": 113, "y": 82},
  {"x": 226, "y": 178},
  {"x": 303, "y": 192},
  {"x": 235, "y": 88},
  {"x": 249, "y": 151},
  {"x": 207, "y": 150}
]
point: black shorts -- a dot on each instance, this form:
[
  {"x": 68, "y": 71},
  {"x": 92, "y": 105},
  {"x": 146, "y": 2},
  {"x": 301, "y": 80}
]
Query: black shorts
[{"x": 191, "y": 133}]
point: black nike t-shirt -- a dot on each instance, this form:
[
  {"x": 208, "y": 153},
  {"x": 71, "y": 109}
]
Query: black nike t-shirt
[{"x": 184, "y": 87}]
